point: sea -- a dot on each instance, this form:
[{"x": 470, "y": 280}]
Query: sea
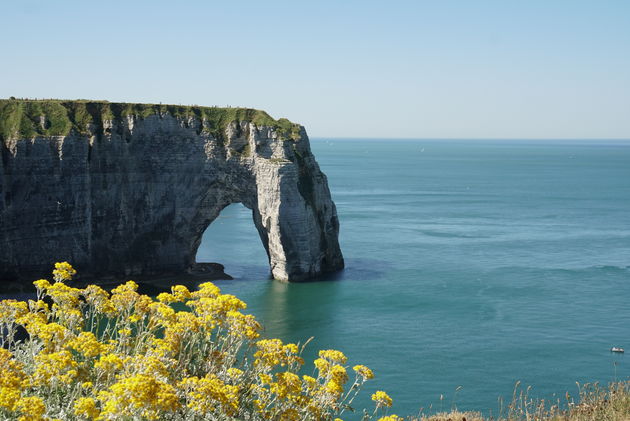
[{"x": 472, "y": 266}]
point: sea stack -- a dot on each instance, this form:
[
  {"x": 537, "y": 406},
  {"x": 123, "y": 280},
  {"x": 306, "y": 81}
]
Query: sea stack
[{"x": 128, "y": 189}]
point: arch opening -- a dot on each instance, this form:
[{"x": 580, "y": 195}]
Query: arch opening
[{"x": 233, "y": 240}]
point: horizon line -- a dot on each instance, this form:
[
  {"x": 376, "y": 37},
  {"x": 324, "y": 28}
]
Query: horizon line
[{"x": 625, "y": 139}]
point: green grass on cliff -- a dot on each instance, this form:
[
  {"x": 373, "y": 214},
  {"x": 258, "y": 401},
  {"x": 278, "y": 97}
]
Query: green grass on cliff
[{"x": 26, "y": 118}]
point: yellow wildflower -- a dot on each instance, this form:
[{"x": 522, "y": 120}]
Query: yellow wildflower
[
  {"x": 240, "y": 324},
  {"x": 142, "y": 305},
  {"x": 32, "y": 408},
  {"x": 53, "y": 335},
  {"x": 63, "y": 295},
  {"x": 188, "y": 320},
  {"x": 39, "y": 306},
  {"x": 382, "y": 399},
  {"x": 209, "y": 394},
  {"x": 98, "y": 299},
  {"x": 180, "y": 293},
  {"x": 206, "y": 290},
  {"x": 87, "y": 345},
  {"x": 333, "y": 356},
  {"x": 161, "y": 347},
  {"x": 272, "y": 352},
  {"x": 166, "y": 298},
  {"x": 363, "y": 371},
  {"x": 338, "y": 374},
  {"x": 309, "y": 382},
  {"x": 234, "y": 372},
  {"x": 42, "y": 284},
  {"x": 134, "y": 318},
  {"x": 126, "y": 287},
  {"x": 162, "y": 314},
  {"x": 290, "y": 414},
  {"x": 109, "y": 363},
  {"x": 139, "y": 395},
  {"x": 9, "y": 397},
  {"x": 12, "y": 312},
  {"x": 124, "y": 297},
  {"x": 287, "y": 384},
  {"x": 86, "y": 408},
  {"x": 154, "y": 366},
  {"x": 54, "y": 367},
  {"x": 12, "y": 379},
  {"x": 333, "y": 388},
  {"x": 322, "y": 365},
  {"x": 70, "y": 317},
  {"x": 63, "y": 272}
]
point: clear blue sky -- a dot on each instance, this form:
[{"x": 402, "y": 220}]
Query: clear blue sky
[{"x": 423, "y": 69}]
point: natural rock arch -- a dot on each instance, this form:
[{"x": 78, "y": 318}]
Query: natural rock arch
[
  {"x": 132, "y": 192},
  {"x": 233, "y": 240}
]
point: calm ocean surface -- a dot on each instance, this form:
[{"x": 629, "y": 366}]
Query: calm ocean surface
[{"x": 469, "y": 263}]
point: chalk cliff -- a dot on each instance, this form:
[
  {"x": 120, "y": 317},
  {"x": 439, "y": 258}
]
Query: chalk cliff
[{"x": 129, "y": 189}]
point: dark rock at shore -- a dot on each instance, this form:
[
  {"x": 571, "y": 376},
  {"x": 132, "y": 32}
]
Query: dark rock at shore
[{"x": 148, "y": 285}]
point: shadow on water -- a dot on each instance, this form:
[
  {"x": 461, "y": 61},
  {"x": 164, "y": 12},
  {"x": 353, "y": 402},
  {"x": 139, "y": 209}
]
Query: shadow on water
[
  {"x": 357, "y": 269},
  {"x": 246, "y": 272}
]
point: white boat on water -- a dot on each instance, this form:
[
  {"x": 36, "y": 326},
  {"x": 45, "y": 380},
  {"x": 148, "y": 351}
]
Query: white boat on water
[{"x": 617, "y": 349}]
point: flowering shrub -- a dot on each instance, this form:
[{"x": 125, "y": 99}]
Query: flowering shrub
[{"x": 90, "y": 354}]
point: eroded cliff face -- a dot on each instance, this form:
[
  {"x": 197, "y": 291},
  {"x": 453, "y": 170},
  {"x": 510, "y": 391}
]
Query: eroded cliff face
[{"x": 127, "y": 189}]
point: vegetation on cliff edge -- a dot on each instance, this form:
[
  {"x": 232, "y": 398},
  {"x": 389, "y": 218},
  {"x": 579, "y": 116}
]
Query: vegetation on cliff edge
[
  {"x": 27, "y": 118},
  {"x": 593, "y": 403}
]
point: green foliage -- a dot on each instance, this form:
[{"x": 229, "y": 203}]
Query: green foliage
[{"x": 26, "y": 118}]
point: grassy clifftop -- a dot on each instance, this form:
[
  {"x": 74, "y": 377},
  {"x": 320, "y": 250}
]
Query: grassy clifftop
[{"x": 26, "y": 118}]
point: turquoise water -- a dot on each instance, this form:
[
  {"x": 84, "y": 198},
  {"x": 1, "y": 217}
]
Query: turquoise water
[{"x": 472, "y": 264}]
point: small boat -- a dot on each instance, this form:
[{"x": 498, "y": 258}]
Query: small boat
[{"x": 617, "y": 349}]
